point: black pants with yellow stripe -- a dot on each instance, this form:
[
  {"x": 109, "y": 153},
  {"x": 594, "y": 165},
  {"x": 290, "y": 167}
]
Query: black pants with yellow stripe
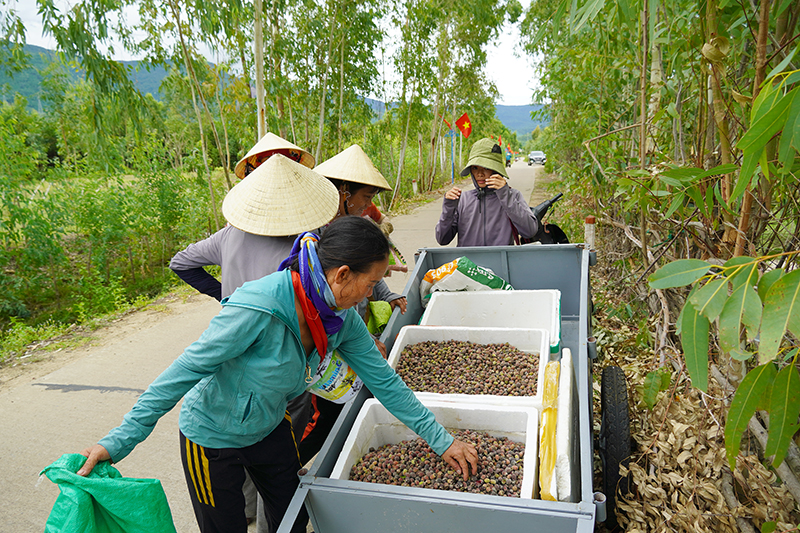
[{"x": 215, "y": 477}]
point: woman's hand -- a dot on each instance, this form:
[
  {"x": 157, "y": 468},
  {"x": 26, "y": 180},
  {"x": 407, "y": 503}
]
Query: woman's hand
[
  {"x": 381, "y": 347},
  {"x": 460, "y": 455},
  {"x": 95, "y": 454},
  {"x": 401, "y": 302},
  {"x": 495, "y": 181},
  {"x": 453, "y": 194}
]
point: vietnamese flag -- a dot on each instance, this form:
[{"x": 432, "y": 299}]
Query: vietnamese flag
[{"x": 464, "y": 125}]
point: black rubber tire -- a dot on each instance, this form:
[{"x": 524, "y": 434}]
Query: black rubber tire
[{"x": 615, "y": 437}]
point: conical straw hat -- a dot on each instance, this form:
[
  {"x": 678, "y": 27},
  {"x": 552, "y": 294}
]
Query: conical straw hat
[
  {"x": 281, "y": 197},
  {"x": 353, "y": 165},
  {"x": 268, "y": 142}
]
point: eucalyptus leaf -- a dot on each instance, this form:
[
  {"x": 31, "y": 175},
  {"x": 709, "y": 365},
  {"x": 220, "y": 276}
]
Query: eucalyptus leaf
[
  {"x": 694, "y": 339},
  {"x": 765, "y": 127},
  {"x": 781, "y": 311},
  {"x": 710, "y": 299},
  {"x": 785, "y": 146},
  {"x": 742, "y": 307},
  {"x": 782, "y": 65},
  {"x": 697, "y": 197},
  {"x": 748, "y": 398},
  {"x": 740, "y": 355},
  {"x": 677, "y": 201},
  {"x": 741, "y": 269},
  {"x": 678, "y": 273},
  {"x": 784, "y": 408},
  {"x": 720, "y": 200},
  {"x": 683, "y": 174},
  {"x": 670, "y": 181},
  {"x": 791, "y": 353},
  {"x": 653, "y": 383},
  {"x": 719, "y": 170},
  {"x": 749, "y": 165},
  {"x": 766, "y": 281}
]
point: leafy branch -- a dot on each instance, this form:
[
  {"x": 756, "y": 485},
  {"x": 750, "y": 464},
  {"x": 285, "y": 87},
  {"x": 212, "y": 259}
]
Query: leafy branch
[{"x": 764, "y": 308}]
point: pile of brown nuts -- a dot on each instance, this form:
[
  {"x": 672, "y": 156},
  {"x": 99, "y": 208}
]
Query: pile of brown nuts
[
  {"x": 457, "y": 367},
  {"x": 412, "y": 463}
]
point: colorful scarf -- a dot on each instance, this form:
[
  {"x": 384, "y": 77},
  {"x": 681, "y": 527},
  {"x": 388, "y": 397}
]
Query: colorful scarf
[{"x": 314, "y": 284}]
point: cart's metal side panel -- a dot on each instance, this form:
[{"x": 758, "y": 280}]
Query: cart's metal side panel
[
  {"x": 343, "y": 510},
  {"x": 584, "y": 379}
]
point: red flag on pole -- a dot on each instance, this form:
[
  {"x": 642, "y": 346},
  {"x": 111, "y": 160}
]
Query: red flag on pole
[
  {"x": 464, "y": 125},
  {"x": 445, "y": 121}
]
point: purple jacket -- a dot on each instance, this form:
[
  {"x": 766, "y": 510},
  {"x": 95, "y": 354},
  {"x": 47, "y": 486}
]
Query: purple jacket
[{"x": 486, "y": 220}]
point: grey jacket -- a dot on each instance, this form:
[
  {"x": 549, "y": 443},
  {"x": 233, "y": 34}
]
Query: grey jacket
[
  {"x": 243, "y": 257},
  {"x": 486, "y": 219}
]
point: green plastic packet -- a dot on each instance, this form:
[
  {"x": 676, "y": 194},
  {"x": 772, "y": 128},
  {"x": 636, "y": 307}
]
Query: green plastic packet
[{"x": 104, "y": 501}]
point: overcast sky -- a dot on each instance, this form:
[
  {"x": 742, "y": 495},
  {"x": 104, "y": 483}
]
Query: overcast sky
[{"x": 511, "y": 71}]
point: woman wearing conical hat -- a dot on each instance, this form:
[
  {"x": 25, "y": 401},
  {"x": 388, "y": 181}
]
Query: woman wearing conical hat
[
  {"x": 265, "y": 211},
  {"x": 358, "y": 181},
  {"x": 278, "y": 198},
  {"x": 269, "y": 145}
]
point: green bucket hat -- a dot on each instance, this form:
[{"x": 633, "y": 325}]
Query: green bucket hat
[{"x": 487, "y": 153}]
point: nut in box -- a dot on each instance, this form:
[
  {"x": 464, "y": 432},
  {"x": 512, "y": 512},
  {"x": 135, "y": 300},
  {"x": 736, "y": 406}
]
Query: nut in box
[
  {"x": 375, "y": 426},
  {"x": 507, "y": 385}
]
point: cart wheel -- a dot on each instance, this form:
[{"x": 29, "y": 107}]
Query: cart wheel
[{"x": 615, "y": 437}]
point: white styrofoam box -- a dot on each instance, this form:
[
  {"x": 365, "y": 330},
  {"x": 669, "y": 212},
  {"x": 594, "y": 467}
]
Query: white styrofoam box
[
  {"x": 375, "y": 426},
  {"x": 539, "y": 309},
  {"x": 564, "y": 429},
  {"x": 527, "y": 340}
]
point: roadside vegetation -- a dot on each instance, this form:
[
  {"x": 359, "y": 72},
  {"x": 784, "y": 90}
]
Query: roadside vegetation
[
  {"x": 676, "y": 125},
  {"x": 100, "y": 185}
]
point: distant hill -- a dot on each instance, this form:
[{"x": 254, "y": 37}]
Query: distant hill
[
  {"x": 28, "y": 82},
  {"x": 518, "y": 118},
  {"x": 514, "y": 117}
]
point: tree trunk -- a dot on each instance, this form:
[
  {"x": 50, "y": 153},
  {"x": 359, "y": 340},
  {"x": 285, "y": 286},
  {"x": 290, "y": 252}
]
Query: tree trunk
[
  {"x": 341, "y": 93},
  {"x": 190, "y": 68},
  {"x": 224, "y": 125},
  {"x": 324, "y": 85},
  {"x": 258, "y": 55},
  {"x": 761, "y": 72},
  {"x": 443, "y": 60},
  {"x": 203, "y": 147},
  {"x": 720, "y": 118},
  {"x": 643, "y": 126},
  {"x": 276, "y": 70}
]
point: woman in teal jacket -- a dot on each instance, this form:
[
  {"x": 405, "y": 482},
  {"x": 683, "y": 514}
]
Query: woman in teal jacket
[{"x": 258, "y": 354}]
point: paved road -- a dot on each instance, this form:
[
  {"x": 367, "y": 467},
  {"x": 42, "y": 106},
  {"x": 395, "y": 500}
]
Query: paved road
[{"x": 46, "y": 415}]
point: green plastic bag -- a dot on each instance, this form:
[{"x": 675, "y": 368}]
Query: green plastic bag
[
  {"x": 379, "y": 314},
  {"x": 104, "y": 501}
]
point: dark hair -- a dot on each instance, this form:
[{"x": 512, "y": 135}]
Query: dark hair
[
  {"x": 353, "y": 241},
  {"x": 351, "y": 186}
]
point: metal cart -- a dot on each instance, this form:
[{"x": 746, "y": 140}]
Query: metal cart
[{"x": 341, "y": 506}]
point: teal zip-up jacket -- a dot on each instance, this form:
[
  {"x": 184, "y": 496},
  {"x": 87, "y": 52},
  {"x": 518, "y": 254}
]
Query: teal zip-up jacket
[{"x": 237, "y": 378}]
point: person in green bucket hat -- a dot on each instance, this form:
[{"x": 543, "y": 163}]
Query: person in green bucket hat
[{"x": 492, "y": 213}]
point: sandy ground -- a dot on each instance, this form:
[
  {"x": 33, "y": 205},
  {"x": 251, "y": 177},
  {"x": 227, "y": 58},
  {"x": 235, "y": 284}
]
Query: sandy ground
[{"x": 61, "y": 402}]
